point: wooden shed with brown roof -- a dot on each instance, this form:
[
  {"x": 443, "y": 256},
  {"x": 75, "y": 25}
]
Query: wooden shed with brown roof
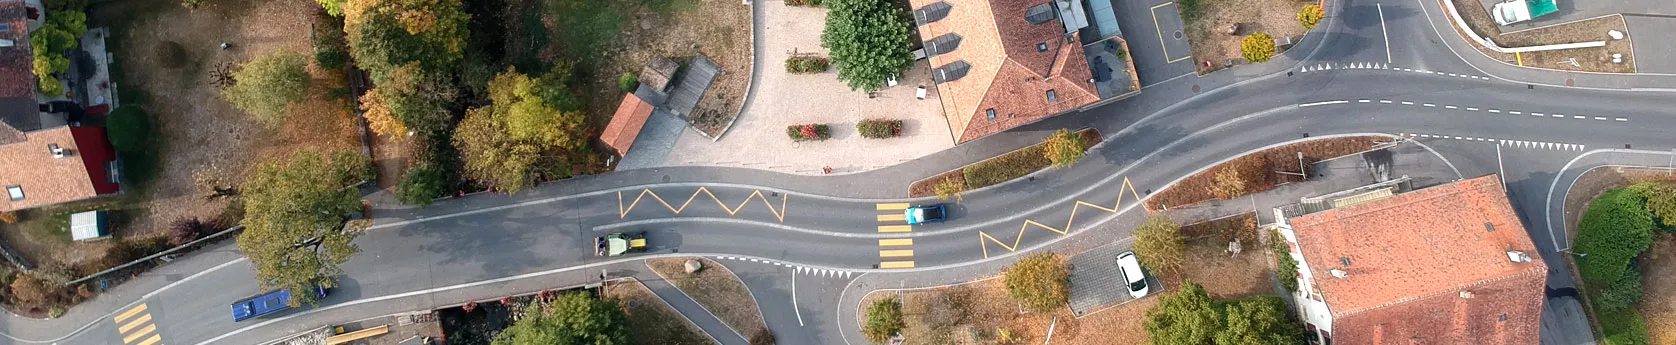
[
  {"x": 1449, "y": 264},
  {"x": 625, "y": 125}
]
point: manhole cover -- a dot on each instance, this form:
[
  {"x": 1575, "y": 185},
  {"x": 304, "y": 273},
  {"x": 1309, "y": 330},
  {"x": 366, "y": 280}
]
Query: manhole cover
[
  {"x": 1178, "y": 34},
  {"x": 1570, "y": 82},
  {"x": 665, "y": 178},
  {"x": 1195, "y": 89}
]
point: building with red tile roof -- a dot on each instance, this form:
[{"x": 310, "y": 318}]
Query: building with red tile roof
[
  {"x": 1000, "y": 64},
  {"x": 1449, "y": 264},
  {"x": 625, "y": 126}
]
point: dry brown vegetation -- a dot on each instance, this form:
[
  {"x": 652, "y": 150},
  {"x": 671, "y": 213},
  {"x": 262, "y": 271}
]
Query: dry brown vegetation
[
  {"x": 718, "y": 290},
  {"x": 1212, "y": 43},
  {"x": 1258, "y": 169},
  {"x": 652, "y": 320},
  {"x": 1597, "y": 59},
  {"x": 719, "y": 29}
]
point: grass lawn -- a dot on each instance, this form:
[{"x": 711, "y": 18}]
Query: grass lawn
[
  {"x": 1208, "y": 36},
  {"x": 1597, "y": 59},
  {"x": 718, "y": 290},
  {"x": 652, "y": 320},
  {"x": 1002, "y": 168},
  {"x": 1257, "y": 169}
]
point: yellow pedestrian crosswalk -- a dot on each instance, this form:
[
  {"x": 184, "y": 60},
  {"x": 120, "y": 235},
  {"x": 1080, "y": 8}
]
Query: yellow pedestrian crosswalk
[
  {"x": 136, "y": 328},
  {"x": 891, "y": 220}
]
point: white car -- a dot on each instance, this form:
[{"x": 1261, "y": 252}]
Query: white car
[{"x": 1132, "y": 275}]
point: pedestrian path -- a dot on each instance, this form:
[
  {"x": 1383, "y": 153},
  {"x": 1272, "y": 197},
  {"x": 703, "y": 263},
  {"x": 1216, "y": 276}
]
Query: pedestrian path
[{"x": 689, "y": 308}]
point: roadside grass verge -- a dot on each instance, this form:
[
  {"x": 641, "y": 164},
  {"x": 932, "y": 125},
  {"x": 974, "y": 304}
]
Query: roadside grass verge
[
  {"x": 998, "y": 169},
  {"x": 718, "y": 290},
  {"x": 653, "y": 320},
  {"x": 1257, "y": 170}
]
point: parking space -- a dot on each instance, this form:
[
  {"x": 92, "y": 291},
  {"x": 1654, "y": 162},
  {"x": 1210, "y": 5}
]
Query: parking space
[
  {"x": 1096, "y": 283},
  {"x": 1166, "y": 21},
  {"x": 1151, "y": 28},
  {"x": 1659, "y": 50}
]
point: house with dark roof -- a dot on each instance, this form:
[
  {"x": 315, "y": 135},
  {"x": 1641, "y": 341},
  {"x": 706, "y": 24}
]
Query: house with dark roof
[
  {"x": 1000, "y": 64},
  {"x": 45, "y": 157},
  {"x": 1448, "y": 264}
]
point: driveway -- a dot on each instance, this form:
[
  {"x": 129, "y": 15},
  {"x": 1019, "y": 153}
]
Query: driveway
[{"x": 758, "y": 139}]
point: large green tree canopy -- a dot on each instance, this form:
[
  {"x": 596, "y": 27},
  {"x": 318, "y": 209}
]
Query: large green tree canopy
[
  {"x": 868, "y": 40},
  {"x": 569, "y": 319},
  {"x": 1615, "y": 229},
  {"x": 295, "y": 213},
  {"x": 502, "y": 143},
  {"x": 385, "y": 34},
  {"x": 268, "y": 83},
  {"x": 1185, "y": 317}
]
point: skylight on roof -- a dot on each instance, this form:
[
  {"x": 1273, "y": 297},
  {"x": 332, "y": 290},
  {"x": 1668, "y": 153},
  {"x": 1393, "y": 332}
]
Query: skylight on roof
[
  {"x": 1040, "y": 13},
  {"x": 932, "y": 13}
]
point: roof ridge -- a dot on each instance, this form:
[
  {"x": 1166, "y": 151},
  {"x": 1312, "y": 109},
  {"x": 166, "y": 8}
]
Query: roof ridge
[{"x": 1526, "y": 272}]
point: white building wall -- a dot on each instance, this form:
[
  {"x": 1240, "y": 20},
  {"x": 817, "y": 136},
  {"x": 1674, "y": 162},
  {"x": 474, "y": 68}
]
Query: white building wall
[{"x": 1312, "y": 308}]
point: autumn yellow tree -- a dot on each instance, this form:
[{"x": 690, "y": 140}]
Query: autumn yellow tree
[
  {"x": 503, "y": 144},
  {"x": 386, "y": 34}
]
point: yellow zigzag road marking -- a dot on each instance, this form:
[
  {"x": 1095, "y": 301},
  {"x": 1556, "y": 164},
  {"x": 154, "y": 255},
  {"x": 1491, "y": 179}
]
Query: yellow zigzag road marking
[
  {"x": 982, "y": 236},
  {"x": 778, "y": 213}
]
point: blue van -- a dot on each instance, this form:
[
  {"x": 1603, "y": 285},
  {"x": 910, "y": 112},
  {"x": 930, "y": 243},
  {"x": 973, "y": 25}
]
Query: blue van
[{"x": 268, "y": 303}]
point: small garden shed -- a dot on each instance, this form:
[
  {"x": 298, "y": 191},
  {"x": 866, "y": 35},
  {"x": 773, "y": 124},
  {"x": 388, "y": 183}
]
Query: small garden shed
[{"x": 90, "y": 225}]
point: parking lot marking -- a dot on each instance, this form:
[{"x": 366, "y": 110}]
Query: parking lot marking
[
  {"x": 895, "y": 228},
  {"x": 892, "y": 217},
  {"x": 893, "y": 207},
  {"x": 1160, "y": 31},
  {"x": 898, "y": 253},
  {"x": 896, "y": 264},
  {"x": 892, "y": 242}
]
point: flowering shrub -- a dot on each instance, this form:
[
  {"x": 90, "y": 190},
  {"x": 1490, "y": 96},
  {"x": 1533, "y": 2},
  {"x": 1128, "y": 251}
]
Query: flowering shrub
[
  {"x": 804, "y": 64},
  {"x": 879, "y": 128},
  {"x": 808, "y": 132}
]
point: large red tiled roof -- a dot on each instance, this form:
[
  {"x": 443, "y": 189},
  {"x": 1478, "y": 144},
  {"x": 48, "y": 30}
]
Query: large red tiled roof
[
  {"x": 1411, "y": 257},
  {"x": 625, "y": 125},
  {"x": 1007, "y": 71},
  {"x": 47, "y": 180}
]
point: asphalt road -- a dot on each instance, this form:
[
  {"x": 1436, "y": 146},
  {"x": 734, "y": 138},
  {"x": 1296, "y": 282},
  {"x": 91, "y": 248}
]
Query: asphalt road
[{"x": 490, "y": 245}]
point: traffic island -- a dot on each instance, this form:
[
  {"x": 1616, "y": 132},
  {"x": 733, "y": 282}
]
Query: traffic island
[
  {"x": 995, "y": 170},
  {"x": 1215, "y": 28},
  {"x": 652, "y": 319},
  {"x": 1653, "y": 319},
  {"x": 1256, "y": 172},
  {"x": 1589, "y": 59},
  {"x": 718, "y": 290}
]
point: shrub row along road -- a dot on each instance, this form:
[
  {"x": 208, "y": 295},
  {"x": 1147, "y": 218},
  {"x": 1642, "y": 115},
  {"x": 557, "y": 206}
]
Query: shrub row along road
[{"x": 491, "y": 245}]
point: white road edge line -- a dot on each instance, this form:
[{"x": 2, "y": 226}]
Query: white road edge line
[
  {"x": 1383, "y": 32},
  {"x": 1323, "y": 103},
  {"x": 794, "y": 307}
]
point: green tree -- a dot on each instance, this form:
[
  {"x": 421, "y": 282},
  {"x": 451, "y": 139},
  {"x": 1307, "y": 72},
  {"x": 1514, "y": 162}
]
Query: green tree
[
  {"x": 1617, "y": 295},
  {"x": 267, "y": 84},
  {"x": 1661, "y": 200},
  {"x": 568, "y": 319},
  {"x": 868, "y": 40},
  {"x": 332, "y": 7},
  {"x": 1185, "y": 317},
  {"x": 1615, "y": 229},
  {"x": 294, "y": 222},
  {"x": 418, "y": 100},
  {"x": 1257, "y": 47},
  {"x": 1041, "y": 282},
  {"x": 61, "y": 32},
  {"x": 129, "y": 129},
  {"x": 421, "y": 184},
  {"x": 502, "y": 143},
  {"x": 1063, "y": 148},
  {"x": 1260, "y": 320},
  {"x": 884, "y": 319},
  {"x": 518, "y": 102},
  {"x": 386, "y": 34},
  {"x": 1310, "y": 15},
  {"x": 1159, "y": 244},
  {"x": 490, "y": 157}
]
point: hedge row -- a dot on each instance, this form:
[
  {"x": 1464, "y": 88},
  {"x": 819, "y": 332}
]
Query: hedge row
[
  {"x": 999, "y": 169},
  {"x": 1258, "y": 169},
  {"x": 808, "y": 132},
  {"x": 879, "y": 128},
  {"x": 803, "y": 64}
]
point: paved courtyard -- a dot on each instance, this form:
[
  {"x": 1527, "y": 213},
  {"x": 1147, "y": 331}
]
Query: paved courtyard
[{"x": 758, "y": 139}]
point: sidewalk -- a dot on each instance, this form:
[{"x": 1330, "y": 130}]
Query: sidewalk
[{"x": 1343, "y": 173}]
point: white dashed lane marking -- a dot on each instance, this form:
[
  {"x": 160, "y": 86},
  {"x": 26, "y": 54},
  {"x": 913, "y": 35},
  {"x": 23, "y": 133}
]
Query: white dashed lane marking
[
  {"x": 1454, "y": 107},
  {"x": 1544, "y": 145}
]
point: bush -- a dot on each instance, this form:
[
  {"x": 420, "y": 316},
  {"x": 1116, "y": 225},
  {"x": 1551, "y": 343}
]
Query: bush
[
  {"x": 809, "y": 3},
  {"x": 884, "y": 319},
  {"x": 1189, "y": 9},
  {"x": 129, "y": 129},
  {"x": 1063, "y": 148},
  {"x": 805, "y": 64},
  {"x": 1619, "y": 294},
  {"x": 1185, "y": 317},
  {"x": 1623, "y": 327},
  {"x": 1286, "y": 268},
  {"x": 269, "y": 83},
  {"x": 1614, "y": 230},
  {"x": 1310, "y": 15},
  {"x": 1040, "y": 282},
  {"x": 30, "y": 291},
  {"x": 628, "y": 82},
  {"x": 1158, "y": 243},
  {"x": 1257, "y": 47},
  {"x": 1005, "y": 167},
  {"x": 9, "y": 217},
  {"x": 420, "y": 185},
  {"x": 331, "y": 47},
  {"x": 1661, "y": 200},
  {"x": 879, "y": 128},
  {"x": 192, "y": 4},
  {"x": 808, "y": 132},
  {"x": 57, "y": 311},
  {"x": 1228, "y": 184},
  {"x": 184, "y": 230},
  {"x": 948, "y": 188}
]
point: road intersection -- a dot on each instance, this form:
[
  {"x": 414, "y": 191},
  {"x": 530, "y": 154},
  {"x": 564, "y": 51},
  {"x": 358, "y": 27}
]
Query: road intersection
[{"x": 829, "y": 229}]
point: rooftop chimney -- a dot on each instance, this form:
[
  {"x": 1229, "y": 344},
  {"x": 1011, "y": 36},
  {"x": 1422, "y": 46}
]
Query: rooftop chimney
[
  {"x": 1338, "y": 273},
  {"x": 1466, "y": 294},
  {"x": 58, "y": 152},
  {"x": 1518, "y": 256}
]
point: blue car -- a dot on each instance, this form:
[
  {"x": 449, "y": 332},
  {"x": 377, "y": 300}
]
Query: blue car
[
  {"x": 268, "y": 303},
  {"x": 925, "y": 214}
]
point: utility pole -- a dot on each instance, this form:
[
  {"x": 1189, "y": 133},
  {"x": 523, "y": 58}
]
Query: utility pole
[{"x": 1303, "y": 169}]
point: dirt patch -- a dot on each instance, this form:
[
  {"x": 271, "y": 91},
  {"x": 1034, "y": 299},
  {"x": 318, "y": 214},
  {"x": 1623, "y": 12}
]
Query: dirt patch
[
  {"x": 1241, "y": 226},
  {"x": 1258, "y": 169},
  {"x": 719, "y": 29},
  {"x": 1597, "y": 59},
  {"x": 1658, "y": 295},
  {"x": 1122, "y": 324},
  {"x": 998, "y": 169},
  {"x": 975, "y": 313},
  {"x": 1226, "y": 277},
  {"x": 653, "y": 321},
  {"x": 1209, "y": 37},
  {"x": 718, "y": 290}
]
